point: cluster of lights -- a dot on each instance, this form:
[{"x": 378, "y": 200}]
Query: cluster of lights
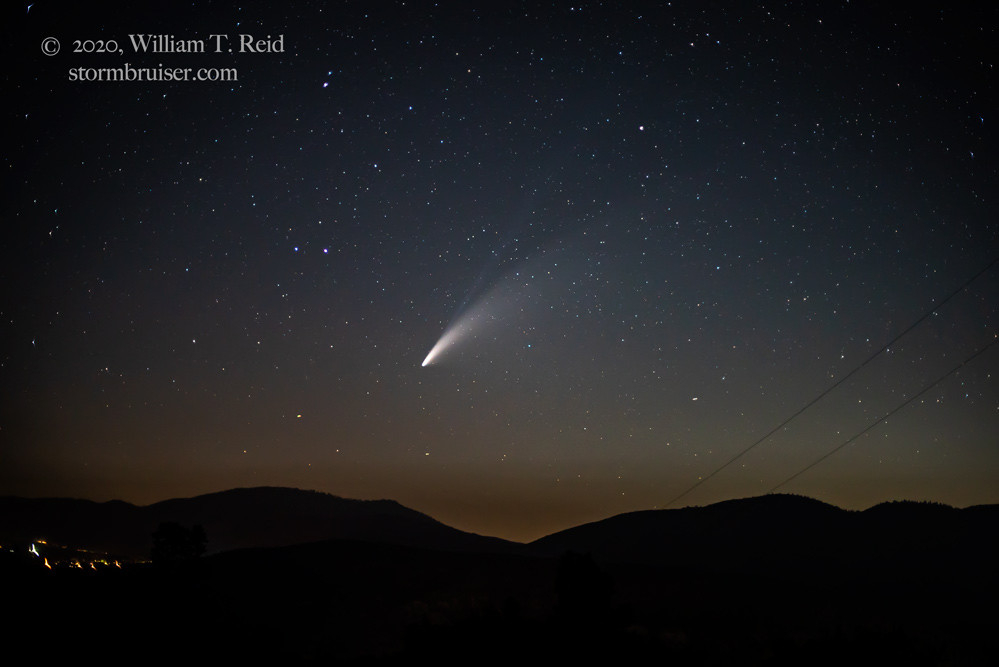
[{"x": 75, "y": 563}]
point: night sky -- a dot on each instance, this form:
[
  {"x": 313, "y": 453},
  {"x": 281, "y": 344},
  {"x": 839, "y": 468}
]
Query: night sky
[{"x": 651, "y": 232}]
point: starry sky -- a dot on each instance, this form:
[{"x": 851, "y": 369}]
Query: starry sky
[{"x": 656, "y": 232}]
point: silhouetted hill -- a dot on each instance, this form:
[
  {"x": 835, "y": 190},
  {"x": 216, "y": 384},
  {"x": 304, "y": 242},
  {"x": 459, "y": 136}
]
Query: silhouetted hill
[
  {"x": 256, "y": 517},
  {"x": 793, "y": 536},
  {"x": 768, "y": 580},
  {"x": 718, "y": 531},
  {"x": 781, "y": 535}
]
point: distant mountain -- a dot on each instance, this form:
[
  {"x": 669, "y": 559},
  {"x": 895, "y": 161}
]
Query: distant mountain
[
  {"x": 786, "y": 536},
  {"x": 793, "y": 536},
  {"x": 770, "y": 580},
  {"x": 239, "y": 518}
]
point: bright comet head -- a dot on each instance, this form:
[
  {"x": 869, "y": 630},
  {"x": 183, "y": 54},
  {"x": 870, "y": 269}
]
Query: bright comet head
[
  {"x": 445, "y": 341},
  {"x": 498, "y": 302}
]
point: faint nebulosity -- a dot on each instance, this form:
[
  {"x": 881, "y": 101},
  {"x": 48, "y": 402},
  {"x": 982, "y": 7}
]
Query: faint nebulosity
[{"x": 659, "y": 230}]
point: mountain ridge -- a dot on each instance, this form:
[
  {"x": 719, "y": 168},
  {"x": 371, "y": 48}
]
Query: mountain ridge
[
  {"x": 763, "y": 577},
  {"x": 233, "y": 519},
  {"x": 773, "y": 532}
]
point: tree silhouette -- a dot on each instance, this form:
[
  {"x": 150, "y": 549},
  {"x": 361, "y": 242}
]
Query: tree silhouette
[{"x": 172, "y": 543}]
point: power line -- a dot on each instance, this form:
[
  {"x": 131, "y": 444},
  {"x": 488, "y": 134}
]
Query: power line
[
  {"x": 925, "y": 389},
  {"x": 846, "y": 377}
]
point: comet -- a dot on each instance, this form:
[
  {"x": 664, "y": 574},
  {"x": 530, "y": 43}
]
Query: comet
[
  {"x": 449, "y": 338},
  {"x": 465, "y": 326},
  {"x": 510, "y": 298}
]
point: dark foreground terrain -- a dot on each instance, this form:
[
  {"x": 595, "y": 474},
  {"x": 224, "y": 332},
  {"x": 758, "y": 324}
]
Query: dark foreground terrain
[{"x": 773, "y": 580}]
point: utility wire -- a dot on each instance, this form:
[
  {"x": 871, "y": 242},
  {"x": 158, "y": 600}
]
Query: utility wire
[
  {"x": 846, "y": 377},
  {"x": 925, "y": 389}
]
